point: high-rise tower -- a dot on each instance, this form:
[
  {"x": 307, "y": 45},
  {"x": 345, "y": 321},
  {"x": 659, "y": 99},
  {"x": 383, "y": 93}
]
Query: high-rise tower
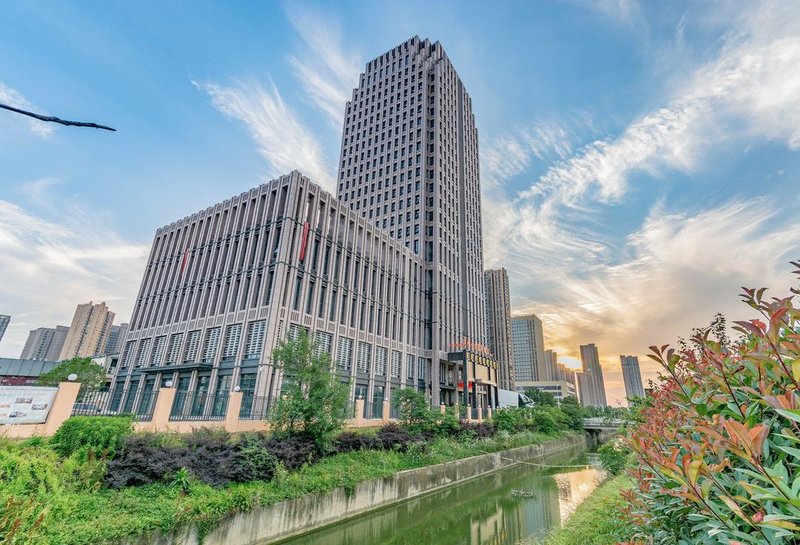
[
  {"x": 498, "y": 321},
  {"x": 409, "y": 165},
  {"x": 591, "y": 385},
  {"x": 632, "y": 376},
  {"x": 88, "y": 332}
]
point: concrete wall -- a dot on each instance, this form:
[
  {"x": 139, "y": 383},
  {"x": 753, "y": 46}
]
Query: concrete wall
[{"x": 276, "y": 522}]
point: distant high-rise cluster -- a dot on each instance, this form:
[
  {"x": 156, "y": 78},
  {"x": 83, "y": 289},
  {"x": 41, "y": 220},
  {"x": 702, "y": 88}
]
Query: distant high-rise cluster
[
  {"x": 498, "y": 321},
  {"x": 632, "y": 376}
]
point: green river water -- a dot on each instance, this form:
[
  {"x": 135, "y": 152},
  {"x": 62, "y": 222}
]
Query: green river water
[{"x": 515, "y": 506}]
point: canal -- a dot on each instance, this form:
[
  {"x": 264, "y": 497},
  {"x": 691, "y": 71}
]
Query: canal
[{"x": 515, "y": 506}]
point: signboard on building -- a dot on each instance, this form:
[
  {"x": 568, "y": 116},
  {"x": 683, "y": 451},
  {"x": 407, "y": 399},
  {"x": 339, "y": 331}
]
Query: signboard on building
[{"x": 25, "y": 404}]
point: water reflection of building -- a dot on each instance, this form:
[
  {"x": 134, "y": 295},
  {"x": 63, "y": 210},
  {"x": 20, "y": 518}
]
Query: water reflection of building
[{"x": 574, "y": 487}]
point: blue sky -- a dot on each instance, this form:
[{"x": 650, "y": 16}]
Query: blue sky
[{"x": 639, "y": 160}]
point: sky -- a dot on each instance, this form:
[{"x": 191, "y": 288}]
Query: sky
[{"x": 640, "y": 162}]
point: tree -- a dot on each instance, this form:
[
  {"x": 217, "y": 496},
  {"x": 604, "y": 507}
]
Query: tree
[
  {"x": 541, "y": 398},
  {"x": 573, "y": 411},
  {"x": 313, "y": 399},
  {"x": 89, "y": 374},
  {"x": 414, "y": 410}
]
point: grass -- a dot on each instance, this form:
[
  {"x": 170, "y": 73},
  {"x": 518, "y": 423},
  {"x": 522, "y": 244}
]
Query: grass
[
  {"x": 68, "y": 507},
  {"x": 598, "y": 520}
]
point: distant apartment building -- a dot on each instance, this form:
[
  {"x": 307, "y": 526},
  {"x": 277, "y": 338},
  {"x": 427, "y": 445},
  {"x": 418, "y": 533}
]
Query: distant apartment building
[
  {"x": 88, "y": 333},
  {"x": 591, "y": 387},
  {"x": 45, "y": 343},
  {"x": 115, "y": 339},
  {"x": 527, "y": 341},
  {"x": 632, "y": 376},
  {"x": 387, "y": 277},
  {"x": 498, "y": 322},
  {"x": 5, "y": 319}
]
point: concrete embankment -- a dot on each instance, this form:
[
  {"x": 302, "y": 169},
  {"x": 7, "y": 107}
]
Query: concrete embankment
[{"x": 268, "y": 524}]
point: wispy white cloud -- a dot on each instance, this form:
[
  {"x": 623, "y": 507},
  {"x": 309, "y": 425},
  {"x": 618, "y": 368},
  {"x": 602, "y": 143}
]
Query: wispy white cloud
[
  {"x": 626, "y": 12},
  {"x": 281, "y": 138},
  {"x": 327, "y": 69},
  {"x": 13, "y": 98},
  {"x": 54, "y": 264},
  {"x": 677, "y": 268}
]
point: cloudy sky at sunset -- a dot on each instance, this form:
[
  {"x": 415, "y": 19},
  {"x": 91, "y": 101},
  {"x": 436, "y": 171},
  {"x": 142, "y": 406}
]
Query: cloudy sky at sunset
[{"x": 640, "y": 161}]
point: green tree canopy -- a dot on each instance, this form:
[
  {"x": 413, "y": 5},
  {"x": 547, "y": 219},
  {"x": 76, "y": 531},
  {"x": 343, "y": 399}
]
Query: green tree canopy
[
  {"x": 313, "y": 398},
  {"x": 541, "y": 398},
  {"x": 89, "y": 374}
]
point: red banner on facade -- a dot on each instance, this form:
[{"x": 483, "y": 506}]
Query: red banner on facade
[{"x": 304, "y": 242}]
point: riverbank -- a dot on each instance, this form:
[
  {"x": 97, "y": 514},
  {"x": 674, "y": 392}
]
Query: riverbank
[
  {"x": 598, "y": 520},
  {"x": 54, "y": 506}
]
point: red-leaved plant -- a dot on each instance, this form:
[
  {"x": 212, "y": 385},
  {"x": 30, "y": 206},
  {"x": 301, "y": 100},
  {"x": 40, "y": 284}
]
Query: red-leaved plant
[{"x": 719, "y": 448}]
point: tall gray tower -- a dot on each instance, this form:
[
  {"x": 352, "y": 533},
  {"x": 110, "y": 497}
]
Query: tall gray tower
[
  {"x": 591, "y": 385},
  {"x": 409, "y": 165},
  {"x": 632, "y": 376},
  {"x": 498, "y": 320}
]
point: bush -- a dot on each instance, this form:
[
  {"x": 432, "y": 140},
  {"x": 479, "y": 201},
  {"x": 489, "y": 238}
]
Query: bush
[
  {"x": 393, "y": 437},
  {"x": 718, "y": 449},
  {"x": 478, "y": 430},
  {"x": 293, "y": 450},
  {"x": 507, "y": 420},
  {"x": 614, "y": 456},
  {"x": 351, "y": 442},
  {"x": 102, "y": 434},
  {"x": 212, "y": 457}
]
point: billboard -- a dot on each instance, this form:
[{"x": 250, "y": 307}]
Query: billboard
[{"x": 25, "y": 404}]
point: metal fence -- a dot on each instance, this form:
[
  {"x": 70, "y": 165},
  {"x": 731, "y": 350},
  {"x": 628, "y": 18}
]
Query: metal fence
[
  {"x": 100, "y": 402},
  {"x": 190, "y": 405},
  {"x": 255, "y": 407}
]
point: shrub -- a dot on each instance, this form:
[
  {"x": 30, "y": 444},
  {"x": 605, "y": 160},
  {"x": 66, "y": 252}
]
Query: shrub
[
  {"x": 614, "y": 456},
  {"x": 102, "y": 434},
  {"x": 478, "y": 430},
  {"x": 350, "y": 442},
  {"x": 212, "y": 457},
  {"x": 145, "y": 458},
  {"x": 718, "y": 449},
  {"x": 544, "y": 420},
  {"x": 507, "y": 420},
  {"x": 293, "y": 450},
  {"x": 393, "y": 437}
]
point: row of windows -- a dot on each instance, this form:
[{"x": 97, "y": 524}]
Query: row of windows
[{"x": 178, "y": 352}]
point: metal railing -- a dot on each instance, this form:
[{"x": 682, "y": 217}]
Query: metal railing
[
  {"x": 190, "y": 405},
  {"x": 100, "y": 402},
  {"x": 255, "y": 407}
]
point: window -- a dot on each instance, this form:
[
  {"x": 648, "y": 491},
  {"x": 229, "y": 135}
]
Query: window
[
  {"x": 344, "y": 353},
  {"x": 144, "y": 347},
  {"x": 395, "y": 369},
  {"x": 324, "y": 342},
  {"x": 422, "y": 367},
  {"x": 410, "y": 367},
  {"x": 211, "y": 345},
  {"x": 380, "y": 361},
  {"x": 192, "y": 345},
  {"x": 364, "y": 357},
  {"x": 232, "y": 336},
  {"x": 174, "y": 347},
  {"x": 158, "y": 350},
  {"x": 127, "y": 359},
  {"x": 255, "y": 340}
]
